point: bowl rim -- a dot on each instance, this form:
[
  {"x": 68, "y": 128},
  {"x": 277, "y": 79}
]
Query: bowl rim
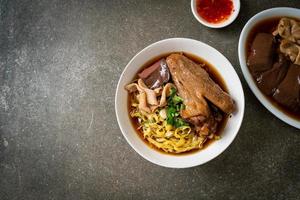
[
  {"x": 234, "y": 134},
  {"x": 237, "y": 5},
  {"x": 265, "y": 14}
]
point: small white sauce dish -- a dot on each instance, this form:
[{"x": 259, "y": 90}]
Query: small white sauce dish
[
  {"x": 266, "y": 14},
  {"x": 232, "y": 17},
  {"x": 225, "y": 69}
]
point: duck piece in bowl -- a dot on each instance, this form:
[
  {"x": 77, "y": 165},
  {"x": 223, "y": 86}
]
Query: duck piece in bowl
[{"x": 196, "y": 87}]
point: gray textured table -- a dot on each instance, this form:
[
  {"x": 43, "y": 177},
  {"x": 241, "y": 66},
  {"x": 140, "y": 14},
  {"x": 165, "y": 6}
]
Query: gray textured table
[{"x": 59, "y": 139}]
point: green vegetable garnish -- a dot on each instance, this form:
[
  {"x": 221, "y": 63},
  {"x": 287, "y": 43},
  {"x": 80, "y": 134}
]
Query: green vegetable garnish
[
  {"x": 182, "y": 107},
  {"x": 180, "y": 122},
  {"x": 175, "y": 105},
  {"x": 172, "y": 91},
  {"x": 176, "y": 99}
]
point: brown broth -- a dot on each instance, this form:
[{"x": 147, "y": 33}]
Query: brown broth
[
  {"x": 268, "y": 26},
  {"x": 214, "y": 74}
]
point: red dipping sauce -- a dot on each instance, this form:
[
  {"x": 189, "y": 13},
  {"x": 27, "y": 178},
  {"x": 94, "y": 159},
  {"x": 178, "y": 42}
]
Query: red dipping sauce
[{"x": 214, "y": 11}]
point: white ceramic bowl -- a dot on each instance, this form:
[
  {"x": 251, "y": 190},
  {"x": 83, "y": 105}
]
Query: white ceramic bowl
[
  {"x": 266, "y": 14},
  {"x": 233, "y": 16},
  {"x": 222, "y": 65}
]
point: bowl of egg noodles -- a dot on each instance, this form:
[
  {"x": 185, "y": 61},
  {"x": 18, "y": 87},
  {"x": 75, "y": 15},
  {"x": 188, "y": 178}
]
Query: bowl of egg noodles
[{"x": 179, "y": 103}]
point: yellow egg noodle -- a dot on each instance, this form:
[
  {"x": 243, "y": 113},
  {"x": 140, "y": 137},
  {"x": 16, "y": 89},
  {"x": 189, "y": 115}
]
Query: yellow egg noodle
[{"x": 164, "y": 136}]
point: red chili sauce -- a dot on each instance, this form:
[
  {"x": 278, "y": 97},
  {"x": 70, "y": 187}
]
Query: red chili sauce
[{"x": 214, "y": 11}]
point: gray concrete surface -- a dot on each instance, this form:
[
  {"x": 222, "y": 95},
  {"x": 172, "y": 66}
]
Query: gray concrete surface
[{"x": 59, "y": 139}]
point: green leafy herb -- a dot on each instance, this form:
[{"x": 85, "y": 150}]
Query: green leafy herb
[
  {"x": 175, "y": 105},
  {"x": 182, "y": 107},
  {"x": 180, "y": 122},
  {"x": 172, "y": 91},
  {"x": 176, "y": 99}
]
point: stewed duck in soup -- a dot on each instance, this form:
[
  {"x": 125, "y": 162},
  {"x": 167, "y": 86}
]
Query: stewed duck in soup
[{"x": 177, "y": 105}]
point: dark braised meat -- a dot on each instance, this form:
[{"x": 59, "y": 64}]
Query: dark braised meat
[
  {"x": 156, "y": 75},
  {"x": 288, "y": 91},
  {"x": 270, "y": 79},
  {"x": 261, "y": 55}
]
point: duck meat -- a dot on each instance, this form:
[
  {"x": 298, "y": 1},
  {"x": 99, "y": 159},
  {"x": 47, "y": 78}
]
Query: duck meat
[{"x": 195, "y": 86}]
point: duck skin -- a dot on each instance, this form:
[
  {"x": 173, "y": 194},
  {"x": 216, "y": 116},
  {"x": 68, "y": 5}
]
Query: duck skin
[{"x": 196, "y": 87}]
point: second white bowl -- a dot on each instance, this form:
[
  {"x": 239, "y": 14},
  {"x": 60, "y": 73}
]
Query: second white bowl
[{"x": 266, "y": 14}]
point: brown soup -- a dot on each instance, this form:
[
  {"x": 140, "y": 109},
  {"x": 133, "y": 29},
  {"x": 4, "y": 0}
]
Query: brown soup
[
  {"x": 268, "y": 26},
  {"x": 213, "y": 74}
]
